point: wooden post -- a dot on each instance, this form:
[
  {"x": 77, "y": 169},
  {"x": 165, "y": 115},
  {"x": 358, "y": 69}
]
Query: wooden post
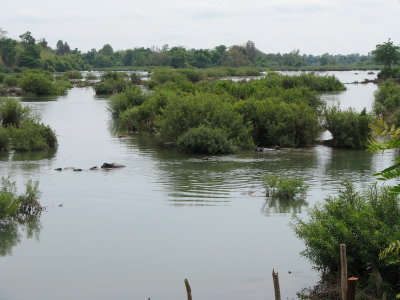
[
  {"x": 188, "y": 290},
  {"x": 343, "y": 271},
  {"x": 351, "y": 288},
  {"x": 277, "y": 289}
]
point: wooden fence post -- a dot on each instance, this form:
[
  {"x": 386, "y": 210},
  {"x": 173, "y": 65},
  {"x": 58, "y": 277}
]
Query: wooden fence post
[
  {"x": 276, "y": 285},
  {"x": 343, "y": 271},
  {"x": 188, "y": 290},
  {"x": 351, "y": 288}
]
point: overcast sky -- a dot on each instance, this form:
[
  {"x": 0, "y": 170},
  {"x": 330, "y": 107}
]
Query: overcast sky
[{"x": 313, "y": 26}]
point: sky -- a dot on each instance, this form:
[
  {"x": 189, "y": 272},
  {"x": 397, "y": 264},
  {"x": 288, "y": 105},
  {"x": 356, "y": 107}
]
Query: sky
[{"x": 312, "y": 26}]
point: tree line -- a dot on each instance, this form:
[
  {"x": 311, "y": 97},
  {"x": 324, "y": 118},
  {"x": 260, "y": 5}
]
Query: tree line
[{"x": 29, "y": 52}]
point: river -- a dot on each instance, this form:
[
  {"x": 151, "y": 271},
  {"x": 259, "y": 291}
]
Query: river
[{"x": 138, "y": 232}]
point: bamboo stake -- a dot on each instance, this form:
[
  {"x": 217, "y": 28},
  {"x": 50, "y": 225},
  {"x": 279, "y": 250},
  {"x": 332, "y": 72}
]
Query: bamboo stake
[
  {"x": 351, "y": 288},
  {"x": 188, "y": 289},
  {"x": 276, "y": 285},
  {"x": 343, "y": 271}
]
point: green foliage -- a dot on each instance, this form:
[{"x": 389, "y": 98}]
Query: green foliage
[
  {"x": 9, "y": 201},
  {"x": 73, "y": 75},
  {"x": 391, "y": 135},
  {"x": 365, "y": 221},
  {"x": 20, "y": 129},
  {"x": 392, "y": 253},
  {"x": 110, "y": 86},
  {"x": 143, "y": 117},
  {"x": 90, "y": 76},
  {"x": 111, "y": 82},
  {"x": 386, "y": 53},
  {"x": 163, "y": 75},
  {"x": 275, "y": 110},
  {"x": 31, "y": 136},
  {"x": 393, "y": 73},
  {"x": 275, "y": 122},
  {"x": 135, "y": 78},
  {"x": 210, "y": 110},
  {"x": 8, "y": 51},
  {"x": 130, "y": 97},
  {"x": 387, "y": 102},
  {"x": 21, "y": 206},
  {"x": 29, "y": 204},
  {"x": 193, "y": 75},
  {"x": 10, "y": 80},
  {"x": 2, "y": 75},
  {"x": 205, "y": 140},
  {"x": 4, "y": 139},
  {"x": 349, "y": 129},
  {"x": 39, "y": 82},
  {"x": 285, "y": 188},
  {"x": 12, "y": 112}
]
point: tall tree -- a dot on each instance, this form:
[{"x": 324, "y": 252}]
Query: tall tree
[
  {"x": 30, "y": 56},
  {"x": 8, "y": 51},
  {"x": 107, "y": 50},
  {"x": 60, "y": 47},
  {"x": 387, "y": 53},
  {"x": 66, "y": 47}
]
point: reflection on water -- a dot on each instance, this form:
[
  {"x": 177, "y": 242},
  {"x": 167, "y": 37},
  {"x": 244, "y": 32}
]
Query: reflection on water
[
  {"x": 32, "y": 156},
  {"x": 11, "y": 232},
  {"x": 284, "y": 206}
]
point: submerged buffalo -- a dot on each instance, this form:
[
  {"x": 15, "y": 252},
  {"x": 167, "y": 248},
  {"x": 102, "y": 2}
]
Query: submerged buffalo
[{"x": 111, "y": 166}]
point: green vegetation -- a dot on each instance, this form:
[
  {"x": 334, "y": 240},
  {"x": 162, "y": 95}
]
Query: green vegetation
[
  {"x": 279, "y": 187},
  {"x": 20, "y": 129},
  {"x": 349, "y": 129},
  {"x": 73, "y": 75},
  {"x": 37, "y": 82},
  {"x": 111, "y": 82},
  {"x": 17, "y": 206},
  {"x": 90, "y": 76},
  {"x": 275, "y": 110},
  {"x": 367, "y": 222},
  {"x": 204, "y": 139},
  {"x": 28, "y": 52},
  {"x": 388, "y": 54},
  {"x": 387, "y": 102}
]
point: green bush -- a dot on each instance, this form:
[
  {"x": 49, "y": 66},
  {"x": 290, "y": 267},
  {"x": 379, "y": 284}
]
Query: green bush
[
  {"x": 205, "y": 140},
  {"x": 14, "y": 205},
  {"x": 143, "y": 117},
  {"x": 73, "y": 75},
  {"x": 110, "y": 86},
  {"x": 277, "y": 123},
  {"x": 10, "y": 80},
  {"x": 9, "y": 201},
  {"x": 193, "y": 75},
  {"x": 90, "y": 76},
  {"x": 38, "y": 84},
  {"x": 387, "y": 102},
  {"x": 114, "y": 75},
  {"x": 31, "y": 136},
  {"x": 284, "y": 187},
  {"x": 4, "y": 139},
  {"x": 367, "y": 222},
  {"x": 130, "y": 97},
  {"x": 29, "y": 200},
  {"x": 2, "y": 76},
  {"x": 389, "y": 73},
  {"x": 163, "y": 75},
  {"x": 349, "y": 129},
  {"x": 191, "y": 111},
  {"x": 12, "y": 112}
]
